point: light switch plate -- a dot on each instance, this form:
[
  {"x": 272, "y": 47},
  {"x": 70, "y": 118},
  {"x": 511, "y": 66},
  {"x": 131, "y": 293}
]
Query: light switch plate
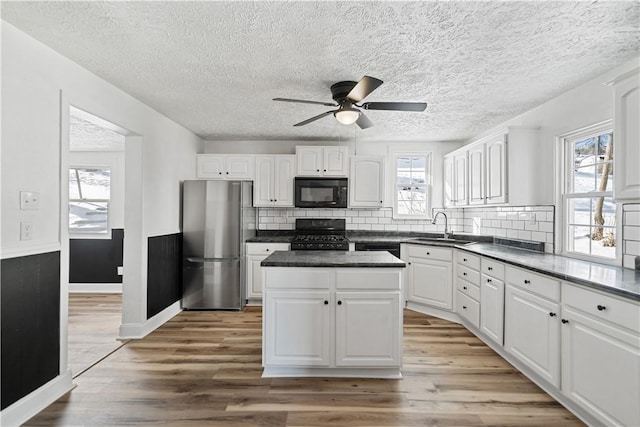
[{"x": 29, "y": 200}]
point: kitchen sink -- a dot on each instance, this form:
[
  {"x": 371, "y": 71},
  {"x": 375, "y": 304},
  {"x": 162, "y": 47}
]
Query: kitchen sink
[{"x": 442, "y": 240}]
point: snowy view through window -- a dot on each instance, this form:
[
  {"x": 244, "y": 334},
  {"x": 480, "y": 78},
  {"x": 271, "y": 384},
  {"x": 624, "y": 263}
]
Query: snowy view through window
[
  {"x": 590, "y": 206},
  {"x": 89, "y": 193},
  {"x": 411, "y": 189}
]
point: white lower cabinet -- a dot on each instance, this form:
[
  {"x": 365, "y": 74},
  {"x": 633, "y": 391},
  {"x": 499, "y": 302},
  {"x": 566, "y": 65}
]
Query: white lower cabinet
[
  {"x": 532, "y": 324},
  {"x": 430, "y": 276},
  {"x": 492, "y": 300},
  {"x": 601, "y": 355},
  {"x": 255, "y": 254},
  {"x": 332, "y": 322}
]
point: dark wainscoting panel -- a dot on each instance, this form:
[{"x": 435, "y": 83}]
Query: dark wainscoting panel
[
  {"x": 30, "y": 316},
  {"x": 96, "y": 260},
  {"x": 164, "y": 272}
]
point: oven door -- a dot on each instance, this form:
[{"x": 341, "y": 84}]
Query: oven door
[{"x": 321, "y": 192}]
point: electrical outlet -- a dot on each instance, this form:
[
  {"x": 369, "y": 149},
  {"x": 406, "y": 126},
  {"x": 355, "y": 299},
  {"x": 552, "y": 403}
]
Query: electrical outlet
[
  {"x": 120, "y": 270},
  {"x": 29, "y": 200},
  {"x": 26, "y": 230}
]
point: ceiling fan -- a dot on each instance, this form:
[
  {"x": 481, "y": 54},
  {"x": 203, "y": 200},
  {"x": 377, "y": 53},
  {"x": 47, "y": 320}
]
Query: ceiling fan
[{"x": 346, "y": 96}]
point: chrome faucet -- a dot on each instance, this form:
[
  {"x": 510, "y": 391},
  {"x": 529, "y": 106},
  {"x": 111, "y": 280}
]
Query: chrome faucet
[{"x": 446, "y": 222}]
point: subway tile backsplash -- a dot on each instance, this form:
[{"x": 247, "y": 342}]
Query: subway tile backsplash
[{"x": 630, "y": 234}]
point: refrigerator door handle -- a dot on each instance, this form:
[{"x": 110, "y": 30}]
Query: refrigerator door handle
[{"x": 206, "y": 260}]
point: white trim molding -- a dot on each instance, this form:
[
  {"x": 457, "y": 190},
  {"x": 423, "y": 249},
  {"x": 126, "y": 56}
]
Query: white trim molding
[
  {"x": 141, "y": 330},
  {"x": 30, "y": 250},
  {"x": 30, "y": 405},
  {"x": 95, "y": 288}
]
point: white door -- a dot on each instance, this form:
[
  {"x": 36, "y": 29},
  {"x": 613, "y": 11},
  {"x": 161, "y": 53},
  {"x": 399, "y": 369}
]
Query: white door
[
  {"x": 431, "y": 283},
  {"x": 239, "y": 167},
  {"x": 460, "y": 171},
  {"x": 368, "y": 328},
  {"x": 601, "y": 368},
  {"x": 283, "y": 180},
  {"x": 210, "y": 167},
  {"x": 254, "y": 277},
  {"x": 298, "y": 328},
  {"x": 627, "y": 139},
  {"x": 309, "y": 161},
  {"x": 335, "y": 161},
  {"x": 263, "y": 191},
  {"x": 496, "y": 171},
  {"x": 366, "y": 186},
  {"x": 449, "y": 182},
  {"x": 476, "y": 175},
  {"x": 532, "y": 332},
  {"x": 492, "y": 308}
]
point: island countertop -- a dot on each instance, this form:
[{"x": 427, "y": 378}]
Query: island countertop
[{"x": 373, "y": 259}]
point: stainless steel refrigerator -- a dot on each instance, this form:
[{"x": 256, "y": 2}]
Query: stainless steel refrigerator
[{"x": 217, "y": 218}]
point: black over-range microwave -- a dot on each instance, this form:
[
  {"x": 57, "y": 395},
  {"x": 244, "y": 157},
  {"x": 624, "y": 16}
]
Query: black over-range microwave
[{"x": 321, "y": 192}]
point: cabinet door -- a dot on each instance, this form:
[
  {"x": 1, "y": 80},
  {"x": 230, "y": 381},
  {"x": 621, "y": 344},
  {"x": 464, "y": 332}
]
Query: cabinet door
[
  {"x": 476, "y": 175},
  {"x": 460, "y": 172},
  {"x": 283, "y": 180},
  {"x": 263, "y": 192},
  {"x": 335, "y": 161},
  {"x": 254, "y": 277},
  {"x": 627, "y": 139},
  {"x": 492, "y": 308},
  {"x": 448, "y": 182},
  {"x": 431, "y": 283},
  {"x": 309, "y": 161},
  {"x": 239, "y": 167},
  {"x": 368, "y": 328},
  {"x": 366, "y": 186},
  {"x": 210, "y": 166},
  {"x": 532, "y": 332},
  {"x": 496, "y": 171},
  {"x": 298, "y": 328},
  {"x": 601, "y": 368}
]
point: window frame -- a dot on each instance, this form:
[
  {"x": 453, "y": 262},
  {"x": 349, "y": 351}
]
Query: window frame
[
  {"x": 564, "y": 180},
  {"x": 74, "y": 234},
  {"x": 428, "y": 183}
]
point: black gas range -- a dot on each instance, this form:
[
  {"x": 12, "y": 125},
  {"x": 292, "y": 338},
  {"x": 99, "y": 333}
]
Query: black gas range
[{"x": 320, "y": 234}]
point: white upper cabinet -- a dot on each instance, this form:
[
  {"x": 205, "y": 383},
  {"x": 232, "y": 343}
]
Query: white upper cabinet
[
  {"x": 476, "y": 175},
  {"x": 224, "y": 166},
  {"x": 322, "y": 161},
  {"x": 496, "y": 170},
  {"x": 626, "y": 136},
  {"x": 274, "y": 181},
  {"x": 455, "y": 179},
  {"x": 366, "y": 185}
]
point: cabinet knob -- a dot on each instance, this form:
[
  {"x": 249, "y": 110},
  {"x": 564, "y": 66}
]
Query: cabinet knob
[
  {"x": 409, "y": 263},
  {"x": 219, "y": 173},
  {"x": 380, "y": 201},
  {"x": 339, "y": 302},
  {"x": 464, "y": 307},
  {"x": 267, "y": 249},
  {"x": 464, "y": 287},
  {"x": 428, "y": 253},
  {"x": 489, "y": 268},
  {"x": 601, "y": 307},
  {"x": 565, "y": 321},
  {"x": 464, "y": 259},
  {"x": 526, "y": 282},
  {"x": 227, "y": 173},
  {"x": 489, "y": 280},
  {"x": 326, "y": 302},
  {"x": 317, "y": 170},
  {"x": 324, "y": 170},
  {"x": 275, "y": 200},
  {"x": 552, "y": 314},
  {"x": 464, "y": 274}
]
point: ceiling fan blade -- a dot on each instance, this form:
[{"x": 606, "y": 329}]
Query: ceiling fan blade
[
  {"x": 314, "y": 118},
  {"x": 364, "y": 87},
  {"x": 396, "y": 106},
  {"x": 303, "y": 101},
  {"x": 363, "y": 121}
]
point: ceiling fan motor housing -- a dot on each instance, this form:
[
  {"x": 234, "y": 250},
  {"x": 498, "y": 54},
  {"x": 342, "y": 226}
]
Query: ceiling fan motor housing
[{"x": 340, "y": 90}]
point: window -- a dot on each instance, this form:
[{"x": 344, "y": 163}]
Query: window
[
  {"x": 589, "y": 208},
  {"x": 412, "y": 192},
  {"x": 89, "y": 193}
]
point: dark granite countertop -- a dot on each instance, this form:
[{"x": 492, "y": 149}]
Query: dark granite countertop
[
  {"x": 332, "y": 259},
  {"x": 276, "y": 238},
  {"x": 615, "y": 280}
]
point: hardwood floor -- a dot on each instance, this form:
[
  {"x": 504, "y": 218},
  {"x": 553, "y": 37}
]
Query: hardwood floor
[
  {"x": 203, "y": 369},
  {"x": 94, "y": 320}
]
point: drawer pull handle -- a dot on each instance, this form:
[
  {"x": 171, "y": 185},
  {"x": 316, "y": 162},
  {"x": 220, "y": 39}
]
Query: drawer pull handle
[
  {"x": 326, "y": 302},
  {"x": 601, "y": 307},
  {"x": 565, "y": 321},
  {"x": 526, "y": 282},
  {"x": 552, "y": 314},
  {"x": 489, "y": 268},
  {"x": 464, "y": 307},
  {"x": 339, "y": 302},
  {"x": 489, "y": 280},
  {"x": 464, "y": 287}
]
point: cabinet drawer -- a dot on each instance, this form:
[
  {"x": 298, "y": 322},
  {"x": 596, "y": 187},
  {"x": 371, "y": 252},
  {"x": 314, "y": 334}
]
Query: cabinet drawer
[
  {"x": 622, "y": 313},
  {"x": 468, "y": 308},
  {"x": 493, "y": 268},
  {"x": 367, "y": 279},
  {"x": 301, "y": 278},
  {"x": 265, "y": 248},
  {"x": 469, "y": 289},
  {"x": 468, "y": 260},
  {"x": 534, "y": 283},
  {"x": 468, "y": 274},
  {"x": 429, "y": 252}
]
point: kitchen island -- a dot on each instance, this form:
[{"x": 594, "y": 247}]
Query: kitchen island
[{"x": 332, "y": 314}]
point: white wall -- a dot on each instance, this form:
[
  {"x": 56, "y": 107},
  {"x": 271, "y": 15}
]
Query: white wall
[{"x": 38, "y": 85}]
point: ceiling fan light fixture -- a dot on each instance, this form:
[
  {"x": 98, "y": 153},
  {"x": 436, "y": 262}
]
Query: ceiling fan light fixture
[{"x": 347, "y": 116}]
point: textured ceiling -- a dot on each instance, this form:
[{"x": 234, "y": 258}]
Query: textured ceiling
[{"x": 215, "y": 66}]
